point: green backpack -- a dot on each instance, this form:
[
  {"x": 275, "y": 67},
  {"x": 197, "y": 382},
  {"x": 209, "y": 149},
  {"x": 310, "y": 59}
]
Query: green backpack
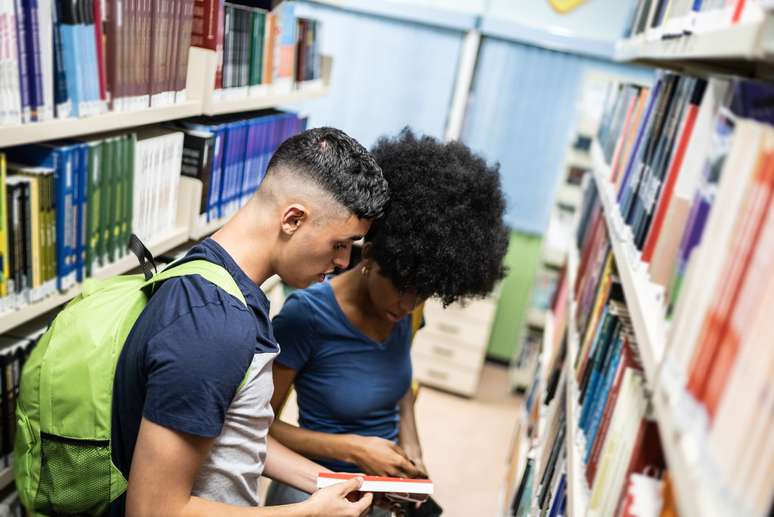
[{"x": 62, "y": 454}]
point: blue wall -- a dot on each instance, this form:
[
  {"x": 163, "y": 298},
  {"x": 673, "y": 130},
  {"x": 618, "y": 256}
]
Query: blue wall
[
  {"x": 522, "y": 113},
  {"x": 386, "y": 74}
]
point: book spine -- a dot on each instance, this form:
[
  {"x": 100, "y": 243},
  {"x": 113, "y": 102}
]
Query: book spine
[
  {"x": 184, "y": 51},
  {"x": 99, "y": 42},
  {"x": 34, "y": 70},
  {"x": 23, "y": 60},
  {"x": 218, "y": 43}
]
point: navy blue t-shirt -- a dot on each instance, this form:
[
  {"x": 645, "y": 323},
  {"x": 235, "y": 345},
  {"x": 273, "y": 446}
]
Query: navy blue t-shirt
[
  {"x": 346, "y": 382},
  {"x": 186, "y": 356}
]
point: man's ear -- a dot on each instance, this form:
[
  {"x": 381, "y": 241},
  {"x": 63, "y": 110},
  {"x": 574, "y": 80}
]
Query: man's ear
[{"x": 293, "y": 216}]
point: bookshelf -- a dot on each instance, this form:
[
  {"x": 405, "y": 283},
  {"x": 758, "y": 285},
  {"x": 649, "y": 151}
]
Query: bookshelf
[
  {"x": 201, "y": 100},
  {"x": 698, "y": 492},
  {"x": 745, "y": 49}
]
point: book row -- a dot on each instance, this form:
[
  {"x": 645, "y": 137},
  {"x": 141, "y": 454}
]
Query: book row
[
  {"x": 712, "y": 235},
  {"x": 68, "y": 208},
  {"x": 74, "y": 58},
  {"x": 257, "y": 47},
  {"x": 230, "y": 155},
  {"x": 667, "y": 19},
  {"x": 619, "y": 444}
]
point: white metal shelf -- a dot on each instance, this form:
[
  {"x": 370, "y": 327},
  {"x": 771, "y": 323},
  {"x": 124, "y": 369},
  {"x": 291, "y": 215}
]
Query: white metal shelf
[
  {"x": 264, "y": 98},
  {"x": 643, "y": 297},
  {"x": 745, "y": 48},
  {"x": 577, "y": 488},
  {"x": 12, "y": 319},
  {"x": 112, "y": 120}
]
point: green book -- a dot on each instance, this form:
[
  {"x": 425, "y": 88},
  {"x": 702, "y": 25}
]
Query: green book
[
  {"x": 93, "y": 203},
  {"x": 258, "y": 24},
  {"x": 108, "y": 199},
  {"x": 126, "y": 228},
  {"x": 117, "y": 198}
]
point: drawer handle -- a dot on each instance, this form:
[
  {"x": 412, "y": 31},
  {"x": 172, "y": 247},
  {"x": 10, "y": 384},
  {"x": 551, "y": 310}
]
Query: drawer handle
[
  {"x": 438, "y": 375},
  {"x": 443, "y": 352},
  {"x": 449, "y": 329}
]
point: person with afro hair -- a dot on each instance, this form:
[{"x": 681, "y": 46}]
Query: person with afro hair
[{"x": 345, "y": 343}]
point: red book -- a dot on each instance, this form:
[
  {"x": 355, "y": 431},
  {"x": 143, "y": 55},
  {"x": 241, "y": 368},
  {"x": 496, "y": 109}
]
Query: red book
[
  {"x": 738, "y": 11},
  {"x": 207, "y": 24},
  {"x": 669, "y": 186}
]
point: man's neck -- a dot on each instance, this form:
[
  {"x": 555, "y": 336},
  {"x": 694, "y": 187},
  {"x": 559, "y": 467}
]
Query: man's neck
[{"x": 249, "y": 245}]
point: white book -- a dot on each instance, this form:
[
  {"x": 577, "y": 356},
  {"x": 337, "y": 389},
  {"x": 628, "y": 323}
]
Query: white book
[
  {"x": 9, "y": 66},
  {"x": 403, "y": 488},
  {"x": 45, "y": 22}
]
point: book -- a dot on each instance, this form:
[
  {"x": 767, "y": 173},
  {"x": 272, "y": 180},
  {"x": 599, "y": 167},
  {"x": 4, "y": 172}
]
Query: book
[{"x": 401, "y": 489}]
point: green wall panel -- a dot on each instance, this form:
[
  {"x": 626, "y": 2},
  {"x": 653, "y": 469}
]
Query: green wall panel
[{"x": 522, "y": 260}]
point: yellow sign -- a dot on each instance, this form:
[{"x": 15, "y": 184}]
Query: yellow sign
[{"x": 565, "y": 6}]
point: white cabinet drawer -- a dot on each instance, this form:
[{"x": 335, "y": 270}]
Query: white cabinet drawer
[
  {"x": 438, "y": 346},
  {"x": 469, "y": 332},
  {"x": 442, "y": 374},
  {"x": 482, "y": 311}
]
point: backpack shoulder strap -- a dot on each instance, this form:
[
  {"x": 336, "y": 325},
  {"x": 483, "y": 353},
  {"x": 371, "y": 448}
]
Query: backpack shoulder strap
[{"x": 211, "y": 272}]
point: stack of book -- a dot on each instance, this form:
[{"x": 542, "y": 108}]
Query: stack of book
[
  {"x": 82, "y": 57},
  {"x": 256, "y": 47},
  {"x": 676, "y": 18},
  {"x": 230, "y": 154},
  {"x": 619, "y": 439}
]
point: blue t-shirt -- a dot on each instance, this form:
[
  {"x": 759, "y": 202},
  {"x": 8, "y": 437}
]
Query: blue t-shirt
[
  {"x": 186, "y": 356},
  {"x": 346, "y": 382}
]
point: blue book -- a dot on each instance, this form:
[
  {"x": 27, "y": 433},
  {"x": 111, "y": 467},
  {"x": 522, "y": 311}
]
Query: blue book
[
  {"x": 61, "y": 95},
  {"x": 599, "y": 409},
  {"x": 89, "y": 32},
  {"x": 34, "y": 66},
  {"x": 68, "y": 32},
  {"x": 60, "y": 159},
  {"x": 23, "y": 56},
  {"x": 81, "y": 177},
  {"x": 218, "y": 150},
  {"x": 240, "y": 158},
  {"x": 556, "y": 505}
]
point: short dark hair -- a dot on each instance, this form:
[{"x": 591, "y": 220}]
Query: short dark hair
[
  {"x": 443, "y": 233},
  {"x": 340, "y": 165}
]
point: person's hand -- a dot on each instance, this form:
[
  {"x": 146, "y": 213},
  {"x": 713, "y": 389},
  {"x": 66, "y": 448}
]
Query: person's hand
[
  {"x": 339, "y": 500},
  {"x": 380, "y": 457},
  {"x": 414, "y": 454}
]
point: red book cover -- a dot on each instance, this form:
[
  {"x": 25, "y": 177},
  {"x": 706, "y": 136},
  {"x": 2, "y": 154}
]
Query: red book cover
[
  {"x": 184, "y": 45},
  {"x": 114, "y": 54},
  {"x": 738, "y": 10},
  {"x": 219, "y": 45},
  {"x": 100, "y": 35},
  {"x": 735, "y": 269},
  {"x": 207, "y": 30},
  {"x": 669, "y": 186}
]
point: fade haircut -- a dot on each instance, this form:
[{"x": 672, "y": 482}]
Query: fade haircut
[{"x": 339, "y": 165}]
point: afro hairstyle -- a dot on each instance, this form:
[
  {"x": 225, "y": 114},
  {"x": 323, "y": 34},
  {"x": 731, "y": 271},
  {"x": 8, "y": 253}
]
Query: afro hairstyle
[{"x": 442, "y": 234}]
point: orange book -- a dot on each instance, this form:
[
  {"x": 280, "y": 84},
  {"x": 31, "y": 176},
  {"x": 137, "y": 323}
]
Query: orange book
[
  {"x": 737, "y": 262},
  {"x": 621, "y": 137}
]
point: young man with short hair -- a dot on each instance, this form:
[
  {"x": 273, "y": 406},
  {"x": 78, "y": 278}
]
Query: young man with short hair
[{"x": 191, "y": 408}]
